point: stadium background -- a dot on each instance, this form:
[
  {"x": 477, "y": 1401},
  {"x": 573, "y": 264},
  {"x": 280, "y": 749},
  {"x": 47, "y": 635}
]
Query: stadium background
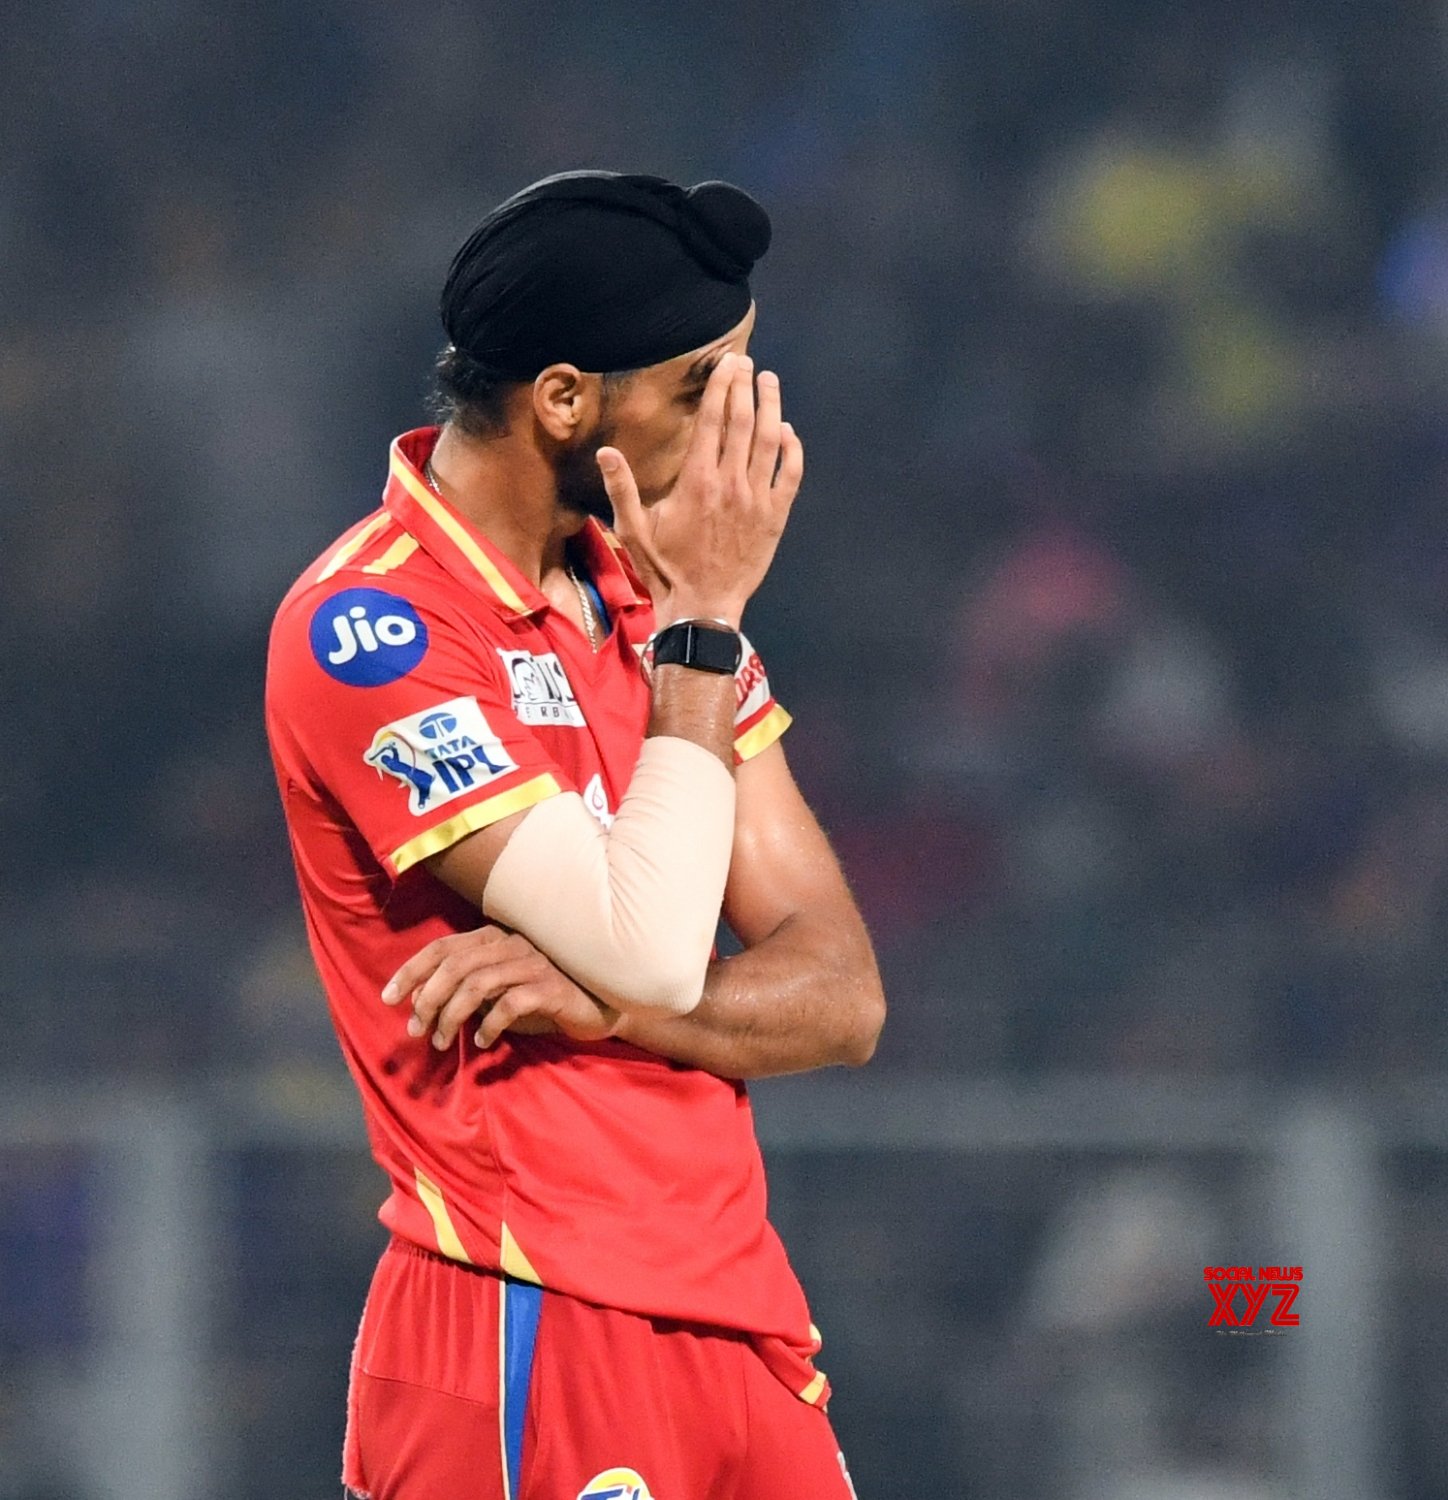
[{"x": 1113, "y": 617}]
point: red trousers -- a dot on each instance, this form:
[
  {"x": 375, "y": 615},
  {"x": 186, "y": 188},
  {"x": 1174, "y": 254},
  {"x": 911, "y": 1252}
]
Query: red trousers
[{"x": 470, "y": 1386}]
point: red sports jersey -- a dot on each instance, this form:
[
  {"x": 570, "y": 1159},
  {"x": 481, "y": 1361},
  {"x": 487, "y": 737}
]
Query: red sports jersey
[{"x": 420, "y": 688}]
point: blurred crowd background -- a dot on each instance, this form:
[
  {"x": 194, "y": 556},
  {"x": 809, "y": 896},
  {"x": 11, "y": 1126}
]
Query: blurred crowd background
[{"x": 1113, "y": 617}]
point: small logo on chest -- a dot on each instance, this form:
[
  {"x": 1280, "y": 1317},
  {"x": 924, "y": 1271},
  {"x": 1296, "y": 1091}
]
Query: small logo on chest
[
  {"x": 595, "y": 799},
  {"x": 542, "y": 693}
]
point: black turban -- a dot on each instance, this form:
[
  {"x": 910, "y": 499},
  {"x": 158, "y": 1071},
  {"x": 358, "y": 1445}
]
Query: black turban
[{"x": 603, "y": 270}]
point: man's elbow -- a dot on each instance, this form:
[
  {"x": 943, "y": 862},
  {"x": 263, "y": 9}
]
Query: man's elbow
[{"x": 863, "y": 1035}]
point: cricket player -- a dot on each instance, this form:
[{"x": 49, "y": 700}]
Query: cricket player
[{"x": 527, "y": 762}]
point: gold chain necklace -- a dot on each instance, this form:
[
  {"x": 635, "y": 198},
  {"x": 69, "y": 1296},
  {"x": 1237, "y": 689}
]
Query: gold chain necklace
[{"x": 584, "y": 604}]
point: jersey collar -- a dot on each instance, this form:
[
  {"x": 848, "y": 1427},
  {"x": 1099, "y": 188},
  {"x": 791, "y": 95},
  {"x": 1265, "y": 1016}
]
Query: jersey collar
[{"x": 472, "y": 559}]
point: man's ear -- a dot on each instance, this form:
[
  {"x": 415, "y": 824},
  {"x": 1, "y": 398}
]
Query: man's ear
[{"x": 566, "y": 401}]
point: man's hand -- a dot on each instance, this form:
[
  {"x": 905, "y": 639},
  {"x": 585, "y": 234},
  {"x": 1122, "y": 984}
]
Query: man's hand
[
  {"x": 705, "y": 547},
  {"x": 453, "y": 978}
]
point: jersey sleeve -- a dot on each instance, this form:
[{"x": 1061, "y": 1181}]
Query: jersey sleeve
[
  {"x": 758, "y": 718},
  {"x": 397, "y": 708}
]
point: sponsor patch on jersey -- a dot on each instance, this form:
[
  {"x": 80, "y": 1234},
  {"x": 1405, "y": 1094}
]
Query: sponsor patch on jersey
[
  {"x": 366, "y": 637},
  {"x": 542, "y": 693},
  {"x": 616, "y": 1484},
  {"x": 751, "y": 685},
  {"x": 440, "y": 753}
]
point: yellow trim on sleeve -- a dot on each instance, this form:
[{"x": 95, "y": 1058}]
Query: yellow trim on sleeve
[
  {"x": 395, "y": 556},
  {"x": 513, "y": 1262},
  {"x": 432, "y": 1200},
  {"x": 470, "y": 819},
  {"x": 814, "y": 1390},
  {"x": 348, "y": 550},
  {"x": 763, "y": 734},
  {"x": 457, "y": 534}
]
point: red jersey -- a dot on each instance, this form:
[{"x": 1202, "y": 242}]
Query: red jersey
[{"x": 420, "y": 688}]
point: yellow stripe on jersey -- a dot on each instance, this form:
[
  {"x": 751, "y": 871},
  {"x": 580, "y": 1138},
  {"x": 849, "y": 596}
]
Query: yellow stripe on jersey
[
  {"x": 395, "y": 556},
  {"x": 813, "y": 1391},
  {"x": 470, "y": 819},
  {"x": 349, "y": 549},
  {"x": 432, "y": 1200},
  {"x": 512, "y": 1260},
  {"x": 763, "y": 734},
  {"x": 457, "y": 534}
]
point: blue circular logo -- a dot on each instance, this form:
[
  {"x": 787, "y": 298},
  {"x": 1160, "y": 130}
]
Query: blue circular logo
[{"x": 367, "y": 638}]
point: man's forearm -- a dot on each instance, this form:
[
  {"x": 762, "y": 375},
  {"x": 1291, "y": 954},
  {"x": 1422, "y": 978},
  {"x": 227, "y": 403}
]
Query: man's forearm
[{"x": 801, "y": 998}]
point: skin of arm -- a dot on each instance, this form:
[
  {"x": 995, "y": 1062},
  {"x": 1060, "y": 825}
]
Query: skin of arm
[{"x": 804, "y": 994}]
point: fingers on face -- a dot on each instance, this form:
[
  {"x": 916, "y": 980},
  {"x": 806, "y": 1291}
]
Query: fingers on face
[
  {"x": 709, "y": 423},
  {"x": 739, "y": 428},
  {"x": 765, "y": 453},
  {"x": 618, "y": 479}
]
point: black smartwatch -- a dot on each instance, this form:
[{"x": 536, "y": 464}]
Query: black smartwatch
[{"x": 705, "y": 645}]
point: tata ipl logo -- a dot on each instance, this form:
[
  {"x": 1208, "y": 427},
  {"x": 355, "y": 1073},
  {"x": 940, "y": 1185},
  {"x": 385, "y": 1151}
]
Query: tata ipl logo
[
  {"x": 441, "y": 753},
  {"x": 367, "y": 638}
]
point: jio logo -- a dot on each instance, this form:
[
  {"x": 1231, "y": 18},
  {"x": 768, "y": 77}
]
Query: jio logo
[{"x": 367, "y": 638}]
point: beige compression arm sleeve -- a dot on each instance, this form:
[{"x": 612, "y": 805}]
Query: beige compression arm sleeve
[{"x": 630, "y": 914}]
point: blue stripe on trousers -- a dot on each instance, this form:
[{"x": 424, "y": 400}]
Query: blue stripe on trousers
[{"x": 522, "y": 1303}]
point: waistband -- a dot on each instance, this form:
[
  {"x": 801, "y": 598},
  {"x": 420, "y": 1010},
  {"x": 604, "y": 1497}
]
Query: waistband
[{"x": 397, "y": 1245}]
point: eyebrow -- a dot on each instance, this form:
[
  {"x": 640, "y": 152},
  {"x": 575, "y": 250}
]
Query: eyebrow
[{"x": 699, "y": 373}]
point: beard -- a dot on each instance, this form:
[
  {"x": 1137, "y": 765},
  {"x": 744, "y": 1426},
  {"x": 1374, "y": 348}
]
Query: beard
[{"x": 578, "y": 480}]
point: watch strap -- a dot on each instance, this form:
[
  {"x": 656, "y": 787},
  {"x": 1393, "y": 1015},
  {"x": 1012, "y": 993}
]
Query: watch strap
[{"x": 700, "y": 644}]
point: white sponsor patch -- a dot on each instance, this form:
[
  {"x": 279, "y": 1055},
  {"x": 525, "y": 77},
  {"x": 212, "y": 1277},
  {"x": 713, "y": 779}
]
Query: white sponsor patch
[
  {"x": 751, "y": 685},
  {"x": 440, "y": 753},
  {"x": 542, "y": 693}
]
